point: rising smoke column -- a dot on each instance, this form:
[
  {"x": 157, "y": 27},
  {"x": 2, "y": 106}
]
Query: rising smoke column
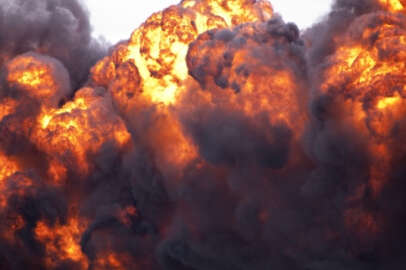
[
  {"x": 244, "y": 113},
  {"x": 358, "y": 110}
]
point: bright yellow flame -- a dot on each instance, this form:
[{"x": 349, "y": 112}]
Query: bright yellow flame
[
  {"x": 361, "y": 74},
  {"x": 33, "y": 78},
  {"x": 351, "y": 54},
  {"x": 80, "y": 127},
  {"x": 392, "y": 5},
  {"x": 159, "y": 47},
  {"x": 388, "y": 102}
]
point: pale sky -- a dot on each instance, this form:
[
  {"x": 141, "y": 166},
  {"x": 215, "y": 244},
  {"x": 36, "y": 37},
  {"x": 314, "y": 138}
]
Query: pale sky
[{"x": 116, "y": 19}]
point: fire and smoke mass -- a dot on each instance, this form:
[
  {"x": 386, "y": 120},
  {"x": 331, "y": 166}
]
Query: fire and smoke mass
[{"x": 217, "y": 137}]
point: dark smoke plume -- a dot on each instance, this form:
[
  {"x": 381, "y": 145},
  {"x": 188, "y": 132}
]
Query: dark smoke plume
[
  {"x": 217, "y": 137},
  {"x": 57, "y": 28}
]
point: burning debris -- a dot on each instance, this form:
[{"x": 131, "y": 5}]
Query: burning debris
[{"x": 217, "y": 137}]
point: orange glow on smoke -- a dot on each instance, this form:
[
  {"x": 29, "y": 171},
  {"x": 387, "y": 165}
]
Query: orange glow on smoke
[
  {"x": 126, "y": 214},
  {"x": 79, "y": 128},
  {"x": 20, "y": 182},
  {"x": 32, "y": 78},
  {"x": 62, "y": 242},
  {"x": 373, "y": 89},
  {"x": 251, "y": 86},
  {"x": 57, "y": 171},
  {"x": 113, "y": 261},
  {"x": 158, "y": 48},
  {"x": 39, "y": 77},
  {"x": 14, "y": 223},
  {"x": 7, "y": 107},
  {"x": 206, "y": 89},
  {"x": 8, "y": 167}
]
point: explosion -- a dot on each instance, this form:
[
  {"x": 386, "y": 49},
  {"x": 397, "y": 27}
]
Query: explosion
[
  {"x": 216, "y": 137},
  {"x": 157, "y": 50},
  {"x": 373, "y": 83}
]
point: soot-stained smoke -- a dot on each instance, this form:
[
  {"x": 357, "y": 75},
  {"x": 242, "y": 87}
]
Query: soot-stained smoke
[
  {"x": 216, "y": 137},
  {"x": 60, "y": 29}
]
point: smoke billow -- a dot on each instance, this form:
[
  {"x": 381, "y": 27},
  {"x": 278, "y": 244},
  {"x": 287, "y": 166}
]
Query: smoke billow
[
  {"x": 217, "y": 137},
  {"x": 60, "y": 29}
]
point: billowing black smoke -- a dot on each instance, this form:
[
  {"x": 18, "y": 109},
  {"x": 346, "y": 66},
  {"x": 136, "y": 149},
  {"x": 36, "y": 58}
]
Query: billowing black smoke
[
  {"x": 60, "y": 29},
  {"x": 280, "y": 175}
]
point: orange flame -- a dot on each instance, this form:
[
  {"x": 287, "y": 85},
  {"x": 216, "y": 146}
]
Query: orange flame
[
  {"x": 81, "y": 127},
  {"x": 158, "y": 48},
  {"x": 39, "y": 77},
  {"x": 8, "y": 167},
  {"x": 7, "y": 107},
  {"x": 371, "y": 79},
  {"x": 113, "y": 261},
  {"x": 62, "y": 242},
  {"x": 392, "y": 5}
]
